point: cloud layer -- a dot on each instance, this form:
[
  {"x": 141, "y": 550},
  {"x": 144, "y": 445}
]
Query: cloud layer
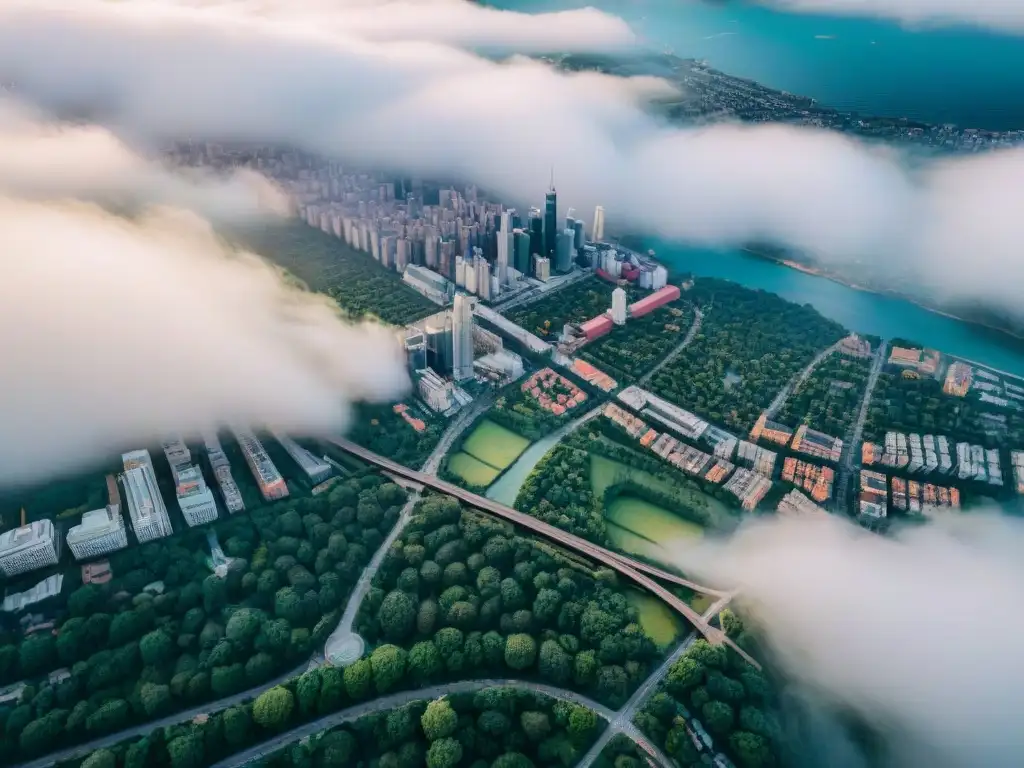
[
  {"x": 919, "y": 634},
  {"x": 46, "y": 161},
  {"x": 1001, "y": 15},
  {"x": 424, "y": 106},
  {"x": 119, "y": 332}
]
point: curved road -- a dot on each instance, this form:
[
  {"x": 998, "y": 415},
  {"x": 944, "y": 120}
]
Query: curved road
[
  {"x": 618, "y": 563},
  {"x": 797, "y": 381},
  {"x": 698, "y": 318},
  {"x": 394, "y": 700}
]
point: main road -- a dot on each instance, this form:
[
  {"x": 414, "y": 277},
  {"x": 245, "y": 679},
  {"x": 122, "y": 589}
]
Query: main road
[
  {"x": 797, "y": 381},
  {"x": 627, "y": 567},
  {"x": 850, "y": 461}
]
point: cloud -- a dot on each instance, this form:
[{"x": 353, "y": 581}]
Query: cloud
[
  {"x": 1001, "y": 15},
  {"x": 119, "y": 332},
  {"x": 46, "y": 160},
  {"x": 917, "y": 634}
]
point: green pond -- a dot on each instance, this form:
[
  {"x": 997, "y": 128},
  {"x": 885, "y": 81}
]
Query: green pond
[
  {"x": 640, "y": 528},
  {"x": 657, "y": 620},
  {"x": 493, "y": 444},
  {"x": 471, "y": 469}
]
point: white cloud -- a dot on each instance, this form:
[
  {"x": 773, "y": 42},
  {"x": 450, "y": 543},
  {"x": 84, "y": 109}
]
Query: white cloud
[
  {"x": 1001, "y": 15},
  {"x": 119, "y": 332},
  {"x": 917, "y": 634}
]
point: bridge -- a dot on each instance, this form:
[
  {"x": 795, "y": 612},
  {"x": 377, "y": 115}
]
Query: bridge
[{"x": 634, "y": 571}]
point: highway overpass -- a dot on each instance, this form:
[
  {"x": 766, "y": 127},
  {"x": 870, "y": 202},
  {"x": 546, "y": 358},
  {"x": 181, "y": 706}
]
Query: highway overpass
[{"x": 627, "y": 567}]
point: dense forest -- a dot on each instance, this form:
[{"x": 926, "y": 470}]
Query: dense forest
[
  {"x": 830, "y": 398},
  {"x": 462, "y": 595},
  {"x": 357, "y": 282},
  {"x": 713, "y": 702},
  {"x": 496, "y": 727},
  {"x": 520, "y": 412},
  {"x": 750, "y": 345},
  {"x": 631, "y": 350},
  {"x": 166, "y": 633},
  {"x": 379, "y": 429},
  {"x": 501, "y": 726}
]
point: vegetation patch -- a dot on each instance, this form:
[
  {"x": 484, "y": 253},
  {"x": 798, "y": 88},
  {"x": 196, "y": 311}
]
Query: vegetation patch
[
  {"x": 631, "y": 350},
  {"x": 657, "y": 619},
  {"x": 379, "y": 429},
  {"x": 829, "y": 399},
  {"x": 474, "y": 472},
  {"x": 464, "y": 596},
  {"x": 575, "y": 303},
  {"x": 495, "y": 445}
]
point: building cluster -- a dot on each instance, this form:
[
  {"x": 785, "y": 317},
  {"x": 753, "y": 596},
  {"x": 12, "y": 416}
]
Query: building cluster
[
  {"x": 553, "y": 392},
  {"x": 194, "y": 499},
  {"x": 43, "y": 590},
  {"x": 923, "y": 498},
  {"x": 927, "y": 454},
  {"x": 958, "y": 379},
  {"x": 593, "y": 375},
  {"x": 917, "y": 362},
  {"x": 770, "y": 431},
  {"x": 761, "y": 460},
  {"x": 873, "y": 499},
  {"x": 28, "y": 547},
  {"x": 749, "y": 487},
  {"x": 855, "y": 346},
  {"x": 1017, "y": 464},
  {"x": 795, "y": 504},
  {"x": 145, "y": 504},
  {"x": 817, "y": 444},
  {"x": 814, "y": 479}
]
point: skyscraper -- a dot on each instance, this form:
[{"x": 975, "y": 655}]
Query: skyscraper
[
  {"x": 506, "y": 245},
  {"x": 578, "y": 239},
  {"x": 536, "y": 232},
  {"x": 619, "y": 306},
  {"x": 145, "y": 504},
  {"x": 564, "y": 251},
  {"x": 462, "y": 338},
  {"x": 597, "y": 233},
  {"x": 522, "y": 252},
  {"x": 550, "y": 222}
]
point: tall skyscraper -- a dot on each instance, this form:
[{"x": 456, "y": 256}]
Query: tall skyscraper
[
  {"x": 551, "y": 222},
  {"x": 597, "y": 233},
  {"x": 483, "y": 278},
  {"x": 564, "y": 251},
  {"x": 619, "y": 306},
  {"x": 522, "y": 260},
  {"x": 536, "y": 232},
  {"x": 462, "y": 338},
  {"x": 506, "y": 244},
  {"x": 578, "y": 239}
]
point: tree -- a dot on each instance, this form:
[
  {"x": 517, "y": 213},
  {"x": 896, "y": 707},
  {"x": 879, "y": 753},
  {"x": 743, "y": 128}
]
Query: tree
[
  {"x": 388, "y": 664},
  {"x": 156, "y": 699},
  {"x": 493, "y": 723},
  {"x": 227, "y": 680},
  {"x": 137, "y": 755},
  {"x": 425, "y": 661},
  {"x": 110, "y": 717},
  {"x": 718, "y": 717},
  {"x": 39, "y": 735},
  {"x": 684, "y": 675},
  {"x": 186, "y": 751},
  {"x": 259, "y": 668},
  {"x": 520, "y": 651},
  {"x": 397, "y": 615},
  {"x": 358, "y": 678},
  {"x": 725, "y": 688},
  {"x": 215, "y": 593},
  {"x": 438, "y": 720},
  {"x": 512, "y": 760},
  {"x": 430, "y": 572},
  {"x": 751, "y": 750},
  {"x": 444, "y": 753},
  {"x": 243, "y": 626},
  {"x": 582, "y": 723},
  {"x": 709, "y": 655},
  {"x": 554, "y": 664},
  {"x": 512, "y": 595},
  {"x": 612, "y": 684},
  {"x": 498, "y": 552},
  {"x": 101, "y": 758},
  {"x": 307, "y": 690},
  {"x": 493, "y": 648},
  {"x": 273, "y": 708},
  {"x": 37, "y": 654},
  {"x": 401, "y": 725},
  {"x": 236, "y": 726},
  {"x": 85, "y": 600},
  {"x": 449, "y": 641},
  {"x": 535, "y": 725},
  {"x": 462, "y": 614},
  {"x": 585, "y": 668},
  {"x": 156, "y": 648},
  {"x": 546, "y": 605}
]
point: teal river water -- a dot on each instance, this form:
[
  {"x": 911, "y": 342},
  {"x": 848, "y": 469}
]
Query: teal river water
[{"x": 961, "y": 75}]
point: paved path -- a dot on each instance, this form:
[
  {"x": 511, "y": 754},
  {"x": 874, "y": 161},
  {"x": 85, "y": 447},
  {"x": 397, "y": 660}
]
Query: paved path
[
  {"x": 851, "y": 450},
  {"x": 396, "y": 700},
  {"x": 459, "y": 425},
  {"x": 623, "y": 720},
  {"x": 698, "y": 318},
  {"x": 797, "y": 381}
]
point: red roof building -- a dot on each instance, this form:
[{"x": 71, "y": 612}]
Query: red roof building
[
  {"x": 597, "y": 327},
  {"x": 657, "y": 299}
]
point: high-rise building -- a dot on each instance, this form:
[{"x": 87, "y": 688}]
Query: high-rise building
[
  {"x": 439, "y": 344},
  {"x": 483, "y": 278},
  {"x": 222, "y": 471},
  {"x": 551, "y": 229},
  {"x": 317, "y": 470},
  {"x": 178, "y": 455},
  {"x": 462, "y": 338},
  {"x": 415, "y": 345},
  {"x": 619, "y": 306},
  {"x": 506, "y": 246},
  {"x": 101, "y": 531},
  {"x": 541, "y": 268},
  {"x": 194, "y": 498},
  {"x": 659, "y": 279},
  {"x": 597, "y": 232},
  {"x": 460, "y": 272},
  {"x": 565, "y": 252},
  {"x": 145, "y": 504},
  {"x": 27, "y": 548},
  {"x": 268, "y": 478},
  {"x": 522, "y": 252},
  {"x": 536, "y": 232},
  {"x": 578, "y": 236}
]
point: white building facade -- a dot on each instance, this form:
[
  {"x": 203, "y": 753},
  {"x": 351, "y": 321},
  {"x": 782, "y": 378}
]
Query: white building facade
[
  {"x": 145, "y": 504},
  {"x": 101, "y": 531},
  {"x": 27, "y": 548}
]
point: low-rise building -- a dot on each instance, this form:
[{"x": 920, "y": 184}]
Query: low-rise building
[
  {"x": 100, "y": 531},
  {"x": 316, "y": 469},
  {"x": 761, "y": 460},
  {"x": 28, "y": 547},
  {"x": 749, "y": 487},
  {"x": 194, "y": 498},
  {"x": 45, "y": 589},
  {"x": 817, "y": 444},
  {"x": 222, "y": 471},
  {"x": 795, "y": 504},
  {"x": 958, "y": 379},
  {"x": 814, "y": 479},
  {"x": 772, "y": 431},
  {"x": 272, "y": 486}
]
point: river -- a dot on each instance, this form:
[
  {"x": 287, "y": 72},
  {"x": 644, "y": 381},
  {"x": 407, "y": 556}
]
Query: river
[
  {"x": 941, "y": 74},
  {"x": 506, "y": 488}
]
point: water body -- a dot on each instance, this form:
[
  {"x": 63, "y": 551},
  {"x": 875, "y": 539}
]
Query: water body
[
  {"x": 960, "y": 75},
  {"x": 857, "y": 310},
  {"x": 507, "y": 487}
]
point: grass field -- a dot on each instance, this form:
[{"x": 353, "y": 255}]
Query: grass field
[
  {"x": 472, "y": 470},
  {"x": 656, "y": 618},
  {"x": 650, "y": 521},
  {"x": 492, "y": 444}
]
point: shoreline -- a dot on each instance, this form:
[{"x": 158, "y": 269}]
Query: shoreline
[{"x": 891, "y": 294}]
